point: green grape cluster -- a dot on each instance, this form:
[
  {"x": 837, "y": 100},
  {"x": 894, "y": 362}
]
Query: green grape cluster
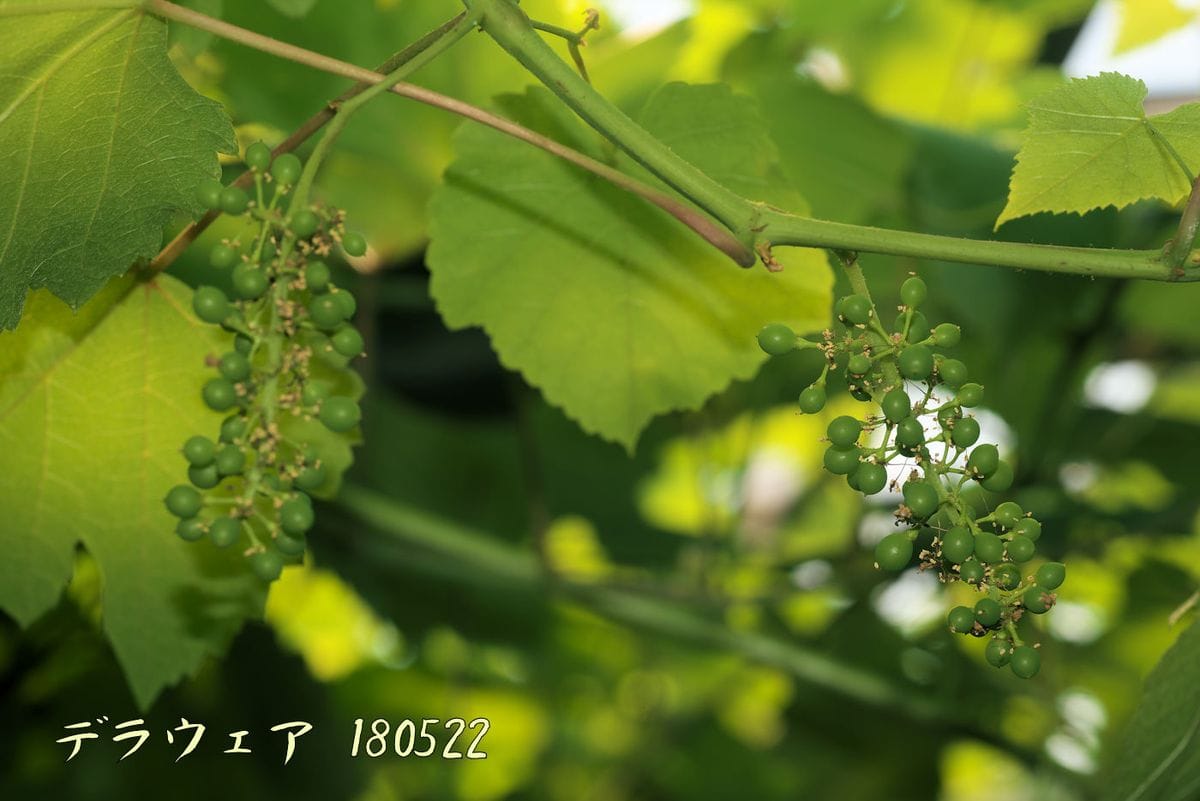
[
  {"x": 920, "y": 424},
  {"x": 291, "y": 338}
]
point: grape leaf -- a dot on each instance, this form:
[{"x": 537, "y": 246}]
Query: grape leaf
[
  {"x": 613, "y": 309},
  {"x": 101, "y": 142},
  {"x": 1159, "y": 758},
  {"x": 93, "y": 409},
  {"x": 1147, "y": 21},
  {"x": 1089, "y": 144}
]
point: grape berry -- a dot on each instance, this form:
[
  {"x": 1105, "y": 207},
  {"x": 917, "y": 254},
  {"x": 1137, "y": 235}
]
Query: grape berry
[
  {"x": 252, "y": 487},
  {"x": 902, "y": 370}
]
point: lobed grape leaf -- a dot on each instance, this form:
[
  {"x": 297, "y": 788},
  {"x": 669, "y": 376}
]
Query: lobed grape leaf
[
  {"x": 101, "y": 141},
  {"x": 1159, "y": 758},
  {"x": 1089, "y": 144},
  {"x": 94, "y": 407},
  {"x": 613, "y": 309}
]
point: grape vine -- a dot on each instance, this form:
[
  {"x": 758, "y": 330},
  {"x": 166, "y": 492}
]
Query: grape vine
[
  {"x": 921, "y": 427},
  {"x": 292, "y": 343}
]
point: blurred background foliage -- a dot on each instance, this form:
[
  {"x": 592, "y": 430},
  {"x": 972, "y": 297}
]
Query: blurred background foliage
[{"x": 699, "y": 619}]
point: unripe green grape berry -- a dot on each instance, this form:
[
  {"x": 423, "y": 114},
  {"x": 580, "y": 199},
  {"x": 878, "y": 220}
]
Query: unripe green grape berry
[
  {"x": 894, "y": 552},
  {"x": 918, "y": 325},
  {"x": 915, "y": 362},
  {"x": 326, "y": 312},
  {"x": 258, "y": 156},
  {"x": 346, "y": 302},
  {"x": 953, "y": 372},
  {"x": 989, "y": 548},
  {"x": 295, "y": 517},
  {"x": 354, "y": 244},
  {"x": 984, "y": 460},
  {"x": 947, "y": 335},
  {"x": 339, "y": 414},
  {"x": 204, "y": 478},
  {"x": 243, "y": 344},
  {"x": 347, "y": 341},
  {"x": 961, "y": 619},
  {"x": 776, "y": 339},
  {"x": 854, "y": 309},
  {"x": 316, "y": 276},
  {"x": 949, "y": 415},
  {"x": 921, "y": 498},
  {"x": 1025, "y": 661},
  {"x": 232, "y": 428},
  {"x": 998, "y": 653},
  {"x": 1008, "y": 514},
  {"x": 222, "y": 256},
  {"x": 1036, "y": 599},
  {"x": 1028, "y": 528},
  {"x": 224, "y": 531},
  {"x": 290, "y": 546},
  {"x": 1021, "y": 549},
  {"x": 190, "y": 530},
  {"x": 267, "y": 565},
  {"x": 971, "y": 570},
  {"x": 209, "y": 194},
  {"x": 841, "y": 461},
  {"x": 970, "y": 395},
  {"x": 1006, "y": 576},
  {"x": 896, "y": 405},
  {"x": 1051, "y": 575},
  {"x": 310, "y": 478},
  {"x": 183, "y": 501},
  {"x": 220, "y": 395},
  {"x": 852, "y": 479},
  {"x": 304, "y": 223},
  {"x": 999, "y": 481},
  {"x": 812, "y": 399},
  {"x": 314, "y": 392},
  {"x": 859, "y": 364},
  {"x": 957, "y": 545},
  {"x": 910, "y": 433},
  {"x": 286, "y": 169},
  {"x": 210, "y": 304},
  {"x": 234, "y": 366},
  {"x": 234, "y": 200},
  {"x": 249, "y": 281},
  {"x": 231, "y": 460},
  {"x": 871, "y": 477},
  {"x": 844, "y": 431},
  {"x": 913, "y": 292},
  {"x": 199, "y": 451},
  {"x": 987, "y": 612},
  {"x": 965, "y": 432}
]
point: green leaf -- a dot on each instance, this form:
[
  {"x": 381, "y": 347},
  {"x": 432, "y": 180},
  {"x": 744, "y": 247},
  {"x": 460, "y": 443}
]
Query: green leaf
[
  {"x": 1089, "y": 144},
  {"x": 609, "y": 306},
  {"x": 94, "y": 407},
  {"x": 101, "y": 142},
  {"x": 1159, "y": 760}
]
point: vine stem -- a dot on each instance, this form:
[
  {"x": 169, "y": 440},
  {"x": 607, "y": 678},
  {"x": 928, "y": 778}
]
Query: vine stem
[
  {"x": 463, "y": 25},
  {"x": 482, "y": 558},
  {"x": 711, "y": 231},
  {"x": 504, "y": 21},
  {"x": 1189, "y": 226}
]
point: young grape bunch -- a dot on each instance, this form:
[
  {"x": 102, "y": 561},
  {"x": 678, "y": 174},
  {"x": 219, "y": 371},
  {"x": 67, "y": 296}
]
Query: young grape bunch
[
  {"x": 250, "y": 483},
  {"x": 919, "y": 423}
]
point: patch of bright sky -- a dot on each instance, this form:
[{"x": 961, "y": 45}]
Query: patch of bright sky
[
  {"x": 1170, "y": 66},
  {"x": 641, "y": 18}
]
